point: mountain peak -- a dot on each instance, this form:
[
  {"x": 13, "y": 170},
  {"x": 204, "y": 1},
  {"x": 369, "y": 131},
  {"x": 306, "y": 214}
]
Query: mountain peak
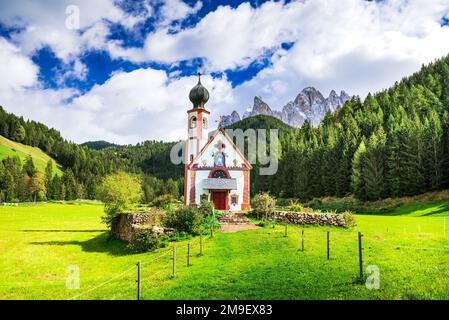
[{"x": 309, "y": 105}]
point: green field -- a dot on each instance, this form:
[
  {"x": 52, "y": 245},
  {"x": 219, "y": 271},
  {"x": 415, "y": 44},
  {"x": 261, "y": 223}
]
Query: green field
[
  {"x": 10, "y": 148},
  {"x": 38, "y": 242}
]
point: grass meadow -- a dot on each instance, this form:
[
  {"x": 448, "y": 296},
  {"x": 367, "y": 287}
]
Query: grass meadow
[{"x": 407, "y": 246}]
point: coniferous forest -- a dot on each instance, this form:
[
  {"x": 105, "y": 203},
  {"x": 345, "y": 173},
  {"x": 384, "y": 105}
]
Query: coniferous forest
[{"x": 393, "y": 143}]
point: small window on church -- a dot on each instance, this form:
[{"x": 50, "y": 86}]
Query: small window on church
[
  {"x": 191, "y": 157},
  {"x": 234, "y": 199},
  {"x": 193, "y": 122},
  {"x": 205, "y": 123}
]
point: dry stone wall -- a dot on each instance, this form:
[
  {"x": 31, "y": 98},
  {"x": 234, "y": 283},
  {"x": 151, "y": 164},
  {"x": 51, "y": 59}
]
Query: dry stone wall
[
  {"x": 128, "y": 226},
  {"x": 322, "y": 219}
]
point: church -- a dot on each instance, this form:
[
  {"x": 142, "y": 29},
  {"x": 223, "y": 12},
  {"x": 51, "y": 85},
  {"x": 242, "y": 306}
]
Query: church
[{"x": 215, "y": 170}]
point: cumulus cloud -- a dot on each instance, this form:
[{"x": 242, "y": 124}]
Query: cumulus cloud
[
  {"x": 50, "y": 23},
  {"x": 358, "y": 46},
  {"x": 228, "y": 38},
  {"x": 129, "y": 107},
  {"x": 17, "y": 70},
  {"x": 173, "y": 10}
]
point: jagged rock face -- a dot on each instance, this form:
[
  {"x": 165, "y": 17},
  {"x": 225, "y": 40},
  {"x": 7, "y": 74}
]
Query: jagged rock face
[
  {"x": 227, "y": 120},
  {"x": 309, "y": 105}
]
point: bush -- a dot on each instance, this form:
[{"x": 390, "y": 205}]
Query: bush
[
  {"x": 206, "y": 208},
  {"x": 283, "y": 202},
  {"x": 187, "y": 219},
  {"x": 179, "y": 236},
  {"x": 263, "y": 203},
  {"x": 149, "y": 241},
  {"x": 349, "y": 219},
  {"x": 296, "y": 206},
  {"x": 163, "y": 200}
]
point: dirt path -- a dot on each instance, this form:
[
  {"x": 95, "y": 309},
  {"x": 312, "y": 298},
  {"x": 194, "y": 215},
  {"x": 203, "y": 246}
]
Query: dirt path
[{"x": 238, "y": 227}]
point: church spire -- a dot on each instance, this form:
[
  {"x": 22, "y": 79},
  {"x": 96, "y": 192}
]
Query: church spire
[{"x": 199, "y": 94}]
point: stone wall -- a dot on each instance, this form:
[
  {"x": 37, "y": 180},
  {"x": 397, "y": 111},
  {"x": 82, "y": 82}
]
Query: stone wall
[
  {"x": 128, "y": 226},
  {"x": 322, "y": 219}
]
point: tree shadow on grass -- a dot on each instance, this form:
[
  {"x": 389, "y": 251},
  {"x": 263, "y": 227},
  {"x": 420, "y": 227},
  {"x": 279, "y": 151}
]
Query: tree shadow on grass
[
  {"x": 103, "y": 243},
  {"x": 437, "y": 209},
  {"x": 53, "y": 230}
]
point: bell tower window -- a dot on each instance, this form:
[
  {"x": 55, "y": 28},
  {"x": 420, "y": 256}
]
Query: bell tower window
[
  {"x": 205, "y": 123},
  {"x": 192, "y": 122}
]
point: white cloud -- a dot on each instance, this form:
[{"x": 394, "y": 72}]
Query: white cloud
[
  {"x": 173, "y": 10},
  {"x": 44, "y": 23},
  {"x": 228, "y": 38},
  {"x": 16, "y": 69},
  {"x": 358, "y": 46},
  {"x": 128, "y": 108}
]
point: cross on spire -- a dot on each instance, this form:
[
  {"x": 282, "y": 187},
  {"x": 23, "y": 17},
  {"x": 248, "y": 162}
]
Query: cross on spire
[{"x": 200, "y": 66}]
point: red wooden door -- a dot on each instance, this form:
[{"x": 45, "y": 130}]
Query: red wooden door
[{"x": 219, "y": 200}]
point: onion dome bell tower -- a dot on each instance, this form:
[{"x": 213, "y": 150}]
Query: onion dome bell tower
[
  {"x": 198, "y": 120},
  {"x": 199, "y": 94}
]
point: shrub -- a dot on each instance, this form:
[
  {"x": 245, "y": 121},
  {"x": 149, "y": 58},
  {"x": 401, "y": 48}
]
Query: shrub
[
  {"x": 163, "y": 200},
  {"x": 120, "y": 192},
  {"x": 187, "y": 219},
  {"x": 283, "y": 202},
  {"x": 206, "y": 208},
  {"x": 349, "y": 219},
  {"x": 296, "y": 206},
  {"x": 315, "y": 203},
  {"x": 263, "y": 203},
  {"x": 149, "y": 241},
  {"x": 179, "y": 236}
]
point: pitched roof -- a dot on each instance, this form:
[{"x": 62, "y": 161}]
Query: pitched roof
[{"x": 248, "y": 165}]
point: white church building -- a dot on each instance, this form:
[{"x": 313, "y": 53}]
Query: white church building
[{"x": 215, "y": 170}]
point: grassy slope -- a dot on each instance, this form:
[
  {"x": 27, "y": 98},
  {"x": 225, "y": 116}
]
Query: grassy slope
[
  {"x": 40, "y": 159},
  {"x": 38, "y": 242}
]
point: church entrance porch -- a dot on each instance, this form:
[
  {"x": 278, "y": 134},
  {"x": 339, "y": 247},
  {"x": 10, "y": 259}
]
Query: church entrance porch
[{"x": 220, "y": 200}]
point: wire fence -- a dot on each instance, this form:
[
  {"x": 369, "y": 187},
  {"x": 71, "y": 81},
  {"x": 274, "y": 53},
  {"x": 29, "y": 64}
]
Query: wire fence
[
  {"x": 165, "y": 262},
  {"x": 363, "y": 250}
]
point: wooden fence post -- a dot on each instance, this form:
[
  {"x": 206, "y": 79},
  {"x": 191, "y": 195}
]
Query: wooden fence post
[
  {"x": 286, "y": 231},
  {"x": 302, "y": 240},
  {"x": 138, "y": 280},
  {"x": 188, "y": 254},
  {"x": 174, "y": 262},
  {"x": 201, "y": 245},
  {"x": 360, "y": 258},
  {"x": 327, "y": 245}
]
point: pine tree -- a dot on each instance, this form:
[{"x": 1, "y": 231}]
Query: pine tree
[
  {"x": 357, "y": 180},
  {"x": 373, "y": 168},
  {"x": 29, "y": 167}
]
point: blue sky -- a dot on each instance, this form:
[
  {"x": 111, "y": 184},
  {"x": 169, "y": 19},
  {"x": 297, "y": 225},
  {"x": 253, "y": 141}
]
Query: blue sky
[{"x": 121, "y": 70}]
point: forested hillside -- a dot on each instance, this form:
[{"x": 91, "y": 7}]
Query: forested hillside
[
  {"x": 83, "y": 168},
  {"x": 394, "y": 143}
]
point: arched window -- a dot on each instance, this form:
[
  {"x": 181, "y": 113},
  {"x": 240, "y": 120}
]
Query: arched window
[
  {"x": 193, "y": 122},
  {"x": 220, "y": 174},
  {"x": 205, "y": 123}
]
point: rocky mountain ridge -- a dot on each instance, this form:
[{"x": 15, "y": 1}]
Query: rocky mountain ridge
[{"x": 309, "y": 105}]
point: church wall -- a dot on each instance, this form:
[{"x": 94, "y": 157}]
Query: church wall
[
  {"x": 237, "y": 174},
  {"x": 200, "y": 175}
]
